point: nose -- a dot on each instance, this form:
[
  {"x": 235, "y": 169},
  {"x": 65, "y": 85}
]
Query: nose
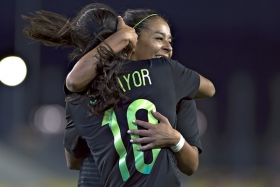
[{"x": 167, "y": 46}]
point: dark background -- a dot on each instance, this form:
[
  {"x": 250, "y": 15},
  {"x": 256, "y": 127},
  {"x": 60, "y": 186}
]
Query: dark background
[{"x": 233, "y": 43}]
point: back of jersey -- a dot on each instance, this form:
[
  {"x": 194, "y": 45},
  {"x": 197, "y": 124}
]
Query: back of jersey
[{"x": 156, "y": 84}]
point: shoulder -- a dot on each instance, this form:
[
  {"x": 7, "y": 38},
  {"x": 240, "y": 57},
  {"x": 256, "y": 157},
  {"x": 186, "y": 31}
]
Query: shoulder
[
  {"x": 67, "y": 92},
  {"x": 65, "y": 89},
  {"x": 173, "y": 64},
  {"x": 162, "y": 60},
  {"x": 163, "y": 63}
]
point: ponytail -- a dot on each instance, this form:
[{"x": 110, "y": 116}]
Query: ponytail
[
  {"x": 92, "y": 25},
  {"x": 49, "y": 28}
]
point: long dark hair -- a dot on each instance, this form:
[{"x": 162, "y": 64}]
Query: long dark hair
[
  {"x": 92, "y": 25},
  {"x": 133, "y": 16}
]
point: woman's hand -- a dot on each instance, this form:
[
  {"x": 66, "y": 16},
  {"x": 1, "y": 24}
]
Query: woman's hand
[
  {"x": 163, "y": 135},
  {"x": 84, "y": 70},
  {"x": 155, "y": 135},
  {"x": 129, "y": 34}
]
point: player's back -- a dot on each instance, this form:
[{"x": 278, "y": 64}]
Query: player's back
[{"x": 156, "y": 84}]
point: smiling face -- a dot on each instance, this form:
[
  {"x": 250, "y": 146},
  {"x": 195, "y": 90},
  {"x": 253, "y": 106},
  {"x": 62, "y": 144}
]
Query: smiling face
[{"x": 154, "y": 41}]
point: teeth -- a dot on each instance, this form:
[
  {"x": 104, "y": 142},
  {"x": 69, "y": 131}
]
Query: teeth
[{"x": 158, "y": 56}]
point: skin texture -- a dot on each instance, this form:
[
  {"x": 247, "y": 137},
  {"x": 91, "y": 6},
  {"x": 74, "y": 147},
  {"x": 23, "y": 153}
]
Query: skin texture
[
  {"x": 152, "y": 42},
  {"x": 72, "y": 162},
  {"x": 163, "y": 135},
  {"x": 157, "y": 39},
  {"x": 84, "y": 70}
]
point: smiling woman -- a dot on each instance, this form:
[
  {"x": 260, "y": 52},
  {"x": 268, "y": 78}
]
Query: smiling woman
[{"x": 157, "y": 38}]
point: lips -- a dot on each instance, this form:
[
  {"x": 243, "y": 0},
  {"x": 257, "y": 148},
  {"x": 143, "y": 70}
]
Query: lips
[{"x": 159, "y": 56}]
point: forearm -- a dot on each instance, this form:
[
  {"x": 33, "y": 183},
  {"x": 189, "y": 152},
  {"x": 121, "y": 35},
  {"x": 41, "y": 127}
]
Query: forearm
[
  {"x": 84, "y": 70},
  {"x": 187, "y": 156},
  {"x": 72, "y": 162},
  {"x": 187, "y": 159},
  {"x": 163, "y": 135}
]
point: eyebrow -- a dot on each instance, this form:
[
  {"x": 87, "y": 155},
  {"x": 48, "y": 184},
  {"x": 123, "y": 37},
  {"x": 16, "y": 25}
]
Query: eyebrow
[{"x": 164, "y": 35}]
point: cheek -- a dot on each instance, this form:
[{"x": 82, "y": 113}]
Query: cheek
[
  {"x": 143, "y": 45},
  {"x": 171, "y": 53},
  {"x": 146, "y": 49},
  {"x": 150, "y": 48},
  {"x": 142, "y": 48}
]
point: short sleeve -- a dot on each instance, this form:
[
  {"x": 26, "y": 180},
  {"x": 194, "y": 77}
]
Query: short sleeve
[
  {"x": 187, "y": 122},
  {"x": 68, "y": 92},
  {"x": 65, "y": 89},
  {"x": 72, "y": 142},
  {"x": 186, "y": 81}
]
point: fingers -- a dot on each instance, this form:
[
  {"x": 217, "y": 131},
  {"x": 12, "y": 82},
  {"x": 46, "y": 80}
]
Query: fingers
[
  {"x": 148, "y": 125},
  {"x": 143, "y": 140},
  {"x": 130, "y": 35},
  {"x": 150, "y": 144},
  {"x": 139, "y": 132},
  {"x": 120, "y": 23},
  {"x": 159, "y": 116},
  {"x": 146, "y": 147},
  {"x": 144, "y": 124},
  {"x": 132, "y": 43},
  {"x": 129, "y": 51}
]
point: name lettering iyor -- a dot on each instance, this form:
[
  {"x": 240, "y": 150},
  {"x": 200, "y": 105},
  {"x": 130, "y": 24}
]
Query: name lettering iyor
[{"x": 137, "y": 78}]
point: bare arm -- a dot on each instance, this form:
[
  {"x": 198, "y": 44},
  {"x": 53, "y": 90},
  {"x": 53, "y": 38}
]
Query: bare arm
[
  {"x": 72, "y": 162},
  {"x": 85, "y": 69},
  {"x": 187, "y": 157},
  {"x": 206, "y": 88}
]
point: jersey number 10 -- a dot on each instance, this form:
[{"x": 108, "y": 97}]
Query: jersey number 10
[{"x": 111, "y": 120}]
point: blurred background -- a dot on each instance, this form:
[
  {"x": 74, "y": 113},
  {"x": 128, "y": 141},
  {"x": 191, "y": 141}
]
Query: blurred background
[{"x": 234, "y": 43}]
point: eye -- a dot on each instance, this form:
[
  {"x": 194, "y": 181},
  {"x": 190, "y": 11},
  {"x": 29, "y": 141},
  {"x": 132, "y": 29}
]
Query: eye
[
  {"x": 159, "y": 38},
  {"x": 171, "y": 39}
]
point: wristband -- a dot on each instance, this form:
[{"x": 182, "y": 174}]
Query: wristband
[{"x": 179, "y": 145}]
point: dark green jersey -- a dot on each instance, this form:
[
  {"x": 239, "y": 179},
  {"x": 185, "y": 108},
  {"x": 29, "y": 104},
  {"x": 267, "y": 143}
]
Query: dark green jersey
[{"x": 156, "y": 84}]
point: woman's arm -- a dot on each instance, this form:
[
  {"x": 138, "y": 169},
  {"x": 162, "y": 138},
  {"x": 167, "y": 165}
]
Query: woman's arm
[
  {"x": 72, "y": 162},
  {"x": 206, "y": 88},
  {"x": 84, "y": 70},
  {"x": 163, "y": 135}
]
